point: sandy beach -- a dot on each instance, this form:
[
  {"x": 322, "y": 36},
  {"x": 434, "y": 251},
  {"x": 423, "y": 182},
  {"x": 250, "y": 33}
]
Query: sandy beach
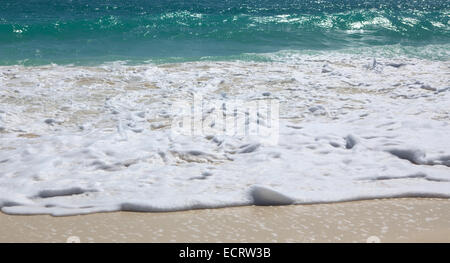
[
  {"x": 224, "y": 121},
  {"x": 387, "y": 220}
]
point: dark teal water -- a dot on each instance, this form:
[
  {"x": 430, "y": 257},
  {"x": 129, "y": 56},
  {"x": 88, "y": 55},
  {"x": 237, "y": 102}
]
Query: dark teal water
[{"x": 96, "y": 31}]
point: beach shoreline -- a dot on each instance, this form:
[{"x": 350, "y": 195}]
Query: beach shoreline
[
  {"x": 110, "y": 138},
  {"x": 229, "y": 121},
  {"x": 384, "y": 220}
]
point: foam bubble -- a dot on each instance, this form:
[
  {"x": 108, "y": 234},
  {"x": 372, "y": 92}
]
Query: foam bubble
[{"x": 110, "y": 147}]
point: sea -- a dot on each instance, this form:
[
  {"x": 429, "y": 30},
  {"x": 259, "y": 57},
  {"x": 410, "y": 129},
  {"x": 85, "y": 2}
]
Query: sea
[{"x": 93, "y": 94}]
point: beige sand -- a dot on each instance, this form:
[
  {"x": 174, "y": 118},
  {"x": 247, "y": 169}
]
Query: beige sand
[{"x": 392, "y": 220}]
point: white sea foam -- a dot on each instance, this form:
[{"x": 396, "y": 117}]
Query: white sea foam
[{"x": 79, "y": 140}]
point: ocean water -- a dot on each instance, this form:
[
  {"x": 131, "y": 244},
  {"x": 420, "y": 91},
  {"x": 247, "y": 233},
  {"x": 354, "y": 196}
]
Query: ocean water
[
  {"x": 36, "y": 32},
  {"x": 88, "y": 91}
]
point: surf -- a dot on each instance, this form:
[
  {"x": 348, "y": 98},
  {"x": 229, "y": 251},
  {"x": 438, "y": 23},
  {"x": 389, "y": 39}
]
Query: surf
[{"x": 92, "y": 32}]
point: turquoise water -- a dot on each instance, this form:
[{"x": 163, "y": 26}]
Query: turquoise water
[{"x": 34, "y": 32}]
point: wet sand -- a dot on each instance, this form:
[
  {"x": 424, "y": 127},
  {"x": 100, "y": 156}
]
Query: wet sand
[{"x": 389, "y": 220}]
